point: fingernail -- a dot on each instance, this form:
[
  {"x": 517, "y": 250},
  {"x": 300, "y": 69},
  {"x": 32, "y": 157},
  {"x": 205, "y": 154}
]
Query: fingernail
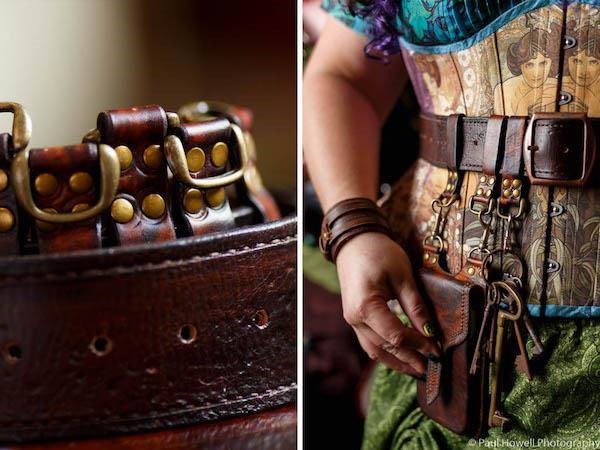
[
  {"x": 429, "y": 329},
  {"x": 432, "y": 356}
]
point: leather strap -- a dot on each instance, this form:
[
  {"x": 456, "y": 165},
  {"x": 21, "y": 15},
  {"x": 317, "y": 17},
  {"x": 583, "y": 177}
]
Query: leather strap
[
  {"x": 140, "y": 338},
  {"x": 347, "y": 219},
  {"x": 66, "y": 179},
  {"x": 137, "y": 135},
  {"x": 10, "y": 222},
  {"x": 213, "y": 144},
  {"x": 558, "y": 146}
]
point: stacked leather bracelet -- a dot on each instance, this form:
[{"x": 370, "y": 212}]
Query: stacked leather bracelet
[{"x": 347, "y": 219}]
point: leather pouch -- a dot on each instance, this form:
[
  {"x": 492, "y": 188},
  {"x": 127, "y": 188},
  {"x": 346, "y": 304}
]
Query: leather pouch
[{"x": 450, "y": 395}]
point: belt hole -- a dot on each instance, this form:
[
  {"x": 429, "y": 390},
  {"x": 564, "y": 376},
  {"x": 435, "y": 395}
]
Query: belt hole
[
  {"x": 188, "y": 333},
  {"x": 101, "y": 345},
  {"x": 261, "y": 319},
  {"x": 12, "y": 353}
]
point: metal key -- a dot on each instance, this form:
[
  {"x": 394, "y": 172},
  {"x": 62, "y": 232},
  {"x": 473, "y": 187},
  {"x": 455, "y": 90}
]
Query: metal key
[
  {"x": 488, "y": 312},
  {"x": 538, "y": 348},
  {"x": 522, "y": 359},
  {"x": 495, "y": 416}
]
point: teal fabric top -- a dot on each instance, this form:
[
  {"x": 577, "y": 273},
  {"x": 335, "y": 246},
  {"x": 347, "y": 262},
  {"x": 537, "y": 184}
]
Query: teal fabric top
[{"x": 443, "y": 26}]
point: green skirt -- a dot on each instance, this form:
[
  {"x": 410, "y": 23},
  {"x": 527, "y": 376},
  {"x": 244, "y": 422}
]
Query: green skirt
[{"x": 559, "y": 408}]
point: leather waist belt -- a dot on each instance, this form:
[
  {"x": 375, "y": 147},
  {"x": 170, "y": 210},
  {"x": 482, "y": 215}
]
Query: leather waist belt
[
  {"x": 556, "y": 149},
  {"x": 134, "y": 338}
]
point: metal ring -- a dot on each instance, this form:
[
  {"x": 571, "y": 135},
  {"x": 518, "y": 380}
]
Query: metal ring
[
  {"x": 177, "y": 161},
  {"x": 21, "y": 126},
  {"x": 109, "y": 182}
]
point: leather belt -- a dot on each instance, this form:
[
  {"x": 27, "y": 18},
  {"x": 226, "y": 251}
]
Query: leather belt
[
  {"x": 555, "y": 149},
  {"x": 134, "y": 338}
]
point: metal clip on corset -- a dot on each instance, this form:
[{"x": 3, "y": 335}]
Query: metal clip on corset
[
  {"x": 140, "y": 212},
  {"x": 11, "y": 222},
  {"x": 252, "y": 191},
  {"x": 199, "y": 155}
]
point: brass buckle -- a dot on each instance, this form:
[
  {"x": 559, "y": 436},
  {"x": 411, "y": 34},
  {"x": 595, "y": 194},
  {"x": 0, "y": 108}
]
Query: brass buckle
[
  {"x": 109, "y": 181},
  {"x": 21, "y": 126},
  {"x": 177, "y": 161},
  {"x": 589, "y": 148}
]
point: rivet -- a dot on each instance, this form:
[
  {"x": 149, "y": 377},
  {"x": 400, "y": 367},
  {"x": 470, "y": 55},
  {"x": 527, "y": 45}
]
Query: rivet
[
  {"x": 195, "y": 159},
  {"x": 483, "y": 179},
  {"x": 47, "y": 226},
  {"x": 516, "y": 183},
  {"x": 80, "y": 207},
  {"x": 449, "y": 187},
  {"x": 3, "y": 180},
  {"x": 153, "y": 157},
  {"x": 219, "y": 154},
  {"x": 121, "y": 210},
  {"x": 491, "y": 181},
  {"x": 125, "y": 156},
  {"x": 471, "y": 271},
  {"x": 192, "y": 201},
  {"x": 46, "y": 184},
  {"x": 80, "y": 182},
  {"x": 506, "y": 183},
  {"x": 516, "y": 193},
  {"x": 215, "y": 197},
  {"x": 153, "y": 206},
  {"x": 426, "y": 256},
  {"x": 7, "y": 220},
  {"x": 480, "y": 191},
  {"x": 488, "y": 193},
  {"x": 433, "y": 259},
  {"x": 506, "y": 193}
]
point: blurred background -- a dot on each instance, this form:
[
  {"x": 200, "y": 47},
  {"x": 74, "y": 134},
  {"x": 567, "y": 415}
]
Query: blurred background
[{"x": 67, "y": 60}]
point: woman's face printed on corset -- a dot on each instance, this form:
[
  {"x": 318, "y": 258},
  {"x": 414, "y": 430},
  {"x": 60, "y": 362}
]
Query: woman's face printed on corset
[
  {"x": 536, "y": 70},
  {"x": 584, "y": 69}
]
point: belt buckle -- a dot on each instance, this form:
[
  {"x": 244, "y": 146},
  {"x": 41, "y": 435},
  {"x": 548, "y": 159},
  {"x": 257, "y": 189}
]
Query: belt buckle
[{"x": 589, "y": 148}]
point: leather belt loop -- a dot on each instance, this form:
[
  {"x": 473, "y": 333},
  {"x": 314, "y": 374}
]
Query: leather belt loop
[
  {"x": 492, "y": 147},
  {"x": 66, "y": 180},
  {"x": 512, "y": 163},
  {"x": 140, "y": 212},
  {"x": 209, "y": 146},
  {"x": 454, "y": 138}
]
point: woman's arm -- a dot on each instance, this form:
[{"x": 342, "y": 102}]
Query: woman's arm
[{"x": 347, "y": 96}]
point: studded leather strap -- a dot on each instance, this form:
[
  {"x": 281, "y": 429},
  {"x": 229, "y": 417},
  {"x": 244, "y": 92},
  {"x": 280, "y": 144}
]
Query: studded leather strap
[
  {"x": 140, "y": 212},
  {"x": 209, "y": 147},
  {"x": 9, "y": 217},
  {"x": 65, "y": 179}
]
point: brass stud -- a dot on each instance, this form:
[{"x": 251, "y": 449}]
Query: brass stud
[
  {"x": 125, "y": 156},
  {"x": 215, "y": 197},
  {"x": 428, "y": 329},
  {"x": 506, "y": 183},
  {"x": 195, "y": 159},
  {"x": 46, "y": 184},
  {"x": 491, "y": 181},
  {"x": 153, "y": 206},
  {"x": 506, "y": 193},
  {"x": 480, "y": 191},
  {"x": 47, "y": 226},
  {"x": 7, "y": 220},
  {"x": 192, "y": 201},
  {"x": 153, "y": 157},
  {"x": 483, "y": 179},
  {"x": 80, "y": 182},
  {"x": 80, "y": 207},
  {"x": 219, "y": 154},
  {"x": 516, "y": 183},
  {"x": 426, "y": 256},
  {"x": 488, "y": 193},
  {"x": 449, "y": 187},
  {"x": 471, "y": 271},
  {"x": 3, "y": 180},
  {"x": 433, "y": 259},
  {"x": 516, "y": 193},
  {"x": 121, "y": 210}
]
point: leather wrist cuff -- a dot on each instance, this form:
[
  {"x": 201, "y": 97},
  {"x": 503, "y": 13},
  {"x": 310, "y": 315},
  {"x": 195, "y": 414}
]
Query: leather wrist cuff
[{"x": 347, "y": 219}]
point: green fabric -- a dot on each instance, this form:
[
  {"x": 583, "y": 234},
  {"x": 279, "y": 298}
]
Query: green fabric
[{"x": 561, "y": 404}]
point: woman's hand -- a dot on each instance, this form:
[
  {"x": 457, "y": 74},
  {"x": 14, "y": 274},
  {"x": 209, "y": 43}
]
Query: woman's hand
[{"x": 372, "y": 270}]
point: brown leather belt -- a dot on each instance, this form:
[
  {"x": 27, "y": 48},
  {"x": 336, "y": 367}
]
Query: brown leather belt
[
  {"x": 135, "y": 338},
  {"x": 557, "y": 149}
]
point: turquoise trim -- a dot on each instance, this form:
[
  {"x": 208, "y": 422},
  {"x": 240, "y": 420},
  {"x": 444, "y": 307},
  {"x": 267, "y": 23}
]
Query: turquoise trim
[
  {"x": 567, "y": 312},
  {"x": 353, "y": 22}
]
